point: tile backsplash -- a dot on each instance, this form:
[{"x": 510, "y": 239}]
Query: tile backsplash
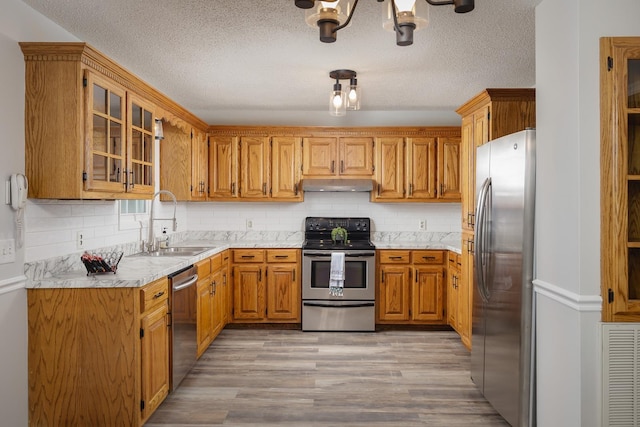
[{"x": 53, "y": 226}]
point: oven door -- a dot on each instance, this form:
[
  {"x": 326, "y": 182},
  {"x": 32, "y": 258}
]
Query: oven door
[{"x": 359, "y": 281}]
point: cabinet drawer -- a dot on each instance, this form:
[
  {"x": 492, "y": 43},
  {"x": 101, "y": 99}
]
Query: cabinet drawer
[
  {"x": 154, "y": 294},
  {"x": 248, "y": 255},
  {"x": 216, "y": 262},
  {"x": 282, "y": 255},
  {"x": 428, "y": 257},
  {"x": 394, "y": 257},
  {"x": 204, "y": 268}
]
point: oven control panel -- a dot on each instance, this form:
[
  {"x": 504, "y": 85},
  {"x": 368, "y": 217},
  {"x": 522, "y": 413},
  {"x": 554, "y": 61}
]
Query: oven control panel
[{"x": 328, "y": 224}]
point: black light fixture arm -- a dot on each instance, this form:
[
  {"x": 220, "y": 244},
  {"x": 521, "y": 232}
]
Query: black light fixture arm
[
  {"x": 459, "y": 6},
  {"x": 395, "y": 18},
  {"x": 353, "y": 9}
]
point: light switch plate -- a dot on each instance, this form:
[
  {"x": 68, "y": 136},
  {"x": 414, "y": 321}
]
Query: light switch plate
[{"x": 7, "y": 251}]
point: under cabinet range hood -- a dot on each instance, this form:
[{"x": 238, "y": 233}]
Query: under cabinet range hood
[{"x": 323, "y": 184}]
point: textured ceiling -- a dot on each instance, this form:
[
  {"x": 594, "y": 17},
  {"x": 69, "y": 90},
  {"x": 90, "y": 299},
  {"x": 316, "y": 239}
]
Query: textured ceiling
[{"x": 251, "y": 62}]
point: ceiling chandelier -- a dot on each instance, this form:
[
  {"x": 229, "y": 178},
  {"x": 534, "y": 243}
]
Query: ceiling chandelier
[
  {"x": 342, "y": 100},
  {"x": 402, "y": 16}
]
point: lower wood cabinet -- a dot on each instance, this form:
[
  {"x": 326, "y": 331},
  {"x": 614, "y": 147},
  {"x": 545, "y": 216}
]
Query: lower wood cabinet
[
  {"x": 453, "y": 290},
  {"x": 98, "y": 356},
  {"x": 212, "y": 299},
  {"x": 266, "y": 285},
  {"x": 465, "y": 289},
  {"x": 411, "y": 287}
]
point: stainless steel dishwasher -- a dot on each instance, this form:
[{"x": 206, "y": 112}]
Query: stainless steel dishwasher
[{"x": 183, "y": 323}]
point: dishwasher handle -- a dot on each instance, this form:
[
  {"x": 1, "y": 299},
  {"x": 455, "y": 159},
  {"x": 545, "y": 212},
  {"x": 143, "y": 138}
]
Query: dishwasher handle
[{"x": 186, "y": 283}]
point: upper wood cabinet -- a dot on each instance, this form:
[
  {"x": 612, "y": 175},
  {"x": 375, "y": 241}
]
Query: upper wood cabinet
[
  {"x": 620, "y": 178},
  {"x": 337, "y": 156},
  {"x": 199, "y": 165},
  {"x": 489, "y": 115},
  {"x": 254, "y": 167},
  {"x": 285, "y": 168},
  {"x": 247, "y": 164},
  {"x": 223, "y": 167},
  {"x": 89, "y": 125},
  {"x": 417, "y": 169},
  {"x": 175, "y": 158}
]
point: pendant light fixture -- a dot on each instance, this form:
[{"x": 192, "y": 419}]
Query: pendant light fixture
[
  {"x": 403, "y": 16},
  {"x": 342, "y": 100}
]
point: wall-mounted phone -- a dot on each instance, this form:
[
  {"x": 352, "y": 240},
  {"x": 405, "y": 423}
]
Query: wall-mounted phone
[{"x": 19, "y": 189}]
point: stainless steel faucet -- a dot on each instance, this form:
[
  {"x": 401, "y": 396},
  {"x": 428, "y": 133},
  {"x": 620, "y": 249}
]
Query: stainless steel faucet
[{"x": 151, "y": 243}]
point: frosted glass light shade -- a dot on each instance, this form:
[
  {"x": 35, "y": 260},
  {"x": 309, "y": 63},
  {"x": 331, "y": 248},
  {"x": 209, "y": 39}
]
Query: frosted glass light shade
[
  {"x": 334, "y": 10},
  {"x": 409, "y": 11}
]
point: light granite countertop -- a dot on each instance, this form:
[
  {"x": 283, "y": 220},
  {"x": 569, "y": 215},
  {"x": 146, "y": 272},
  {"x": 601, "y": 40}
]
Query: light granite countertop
[{"x": 137, "y": 271}]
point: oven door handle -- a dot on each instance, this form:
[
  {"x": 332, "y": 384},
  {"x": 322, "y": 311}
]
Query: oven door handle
[
  {"x": 328, "y": 304},
  {"x": 346, "y": 254}
]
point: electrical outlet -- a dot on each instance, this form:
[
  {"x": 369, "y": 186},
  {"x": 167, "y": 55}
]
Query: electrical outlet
[
  {"x": 422, "y": 224},
  {"x": 79, "y": 240},
  {"x": 7, "y": 251},
  {"x": 249, "y": 224}
]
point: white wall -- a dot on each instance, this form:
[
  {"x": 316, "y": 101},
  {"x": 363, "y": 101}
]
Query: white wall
[
  {"x": 17, "y": 23},
  {"x": 568, "y": 208}
]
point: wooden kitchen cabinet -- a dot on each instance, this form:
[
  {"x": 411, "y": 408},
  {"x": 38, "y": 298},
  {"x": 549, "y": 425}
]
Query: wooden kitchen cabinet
[
  {"x": 176, "y": 159},
  {"x": 109, "y": 364},
  {"x": 211, "y": 299},
  {"x": 199, "y": 165},
  {"x": 89, "y": 128},
  {"x": 254, "y": 167},
  {"x": 417, "y": 169},
  {"x": 286, "y": 158},
  {"x": 155, "y": 346},
  {"x": 332, "y": 157},
  {"x": 489, "y": 115},
  {"x": 88, "y": 134},
  {"x": 453, "y": 285},
  {"x": 223, "y": 167},
  {"x": 620, "y": 178},
  {"x": 466, "y": 290},
  {"x": 266, "y": 285},
  {"x": 411, "y": 287}
]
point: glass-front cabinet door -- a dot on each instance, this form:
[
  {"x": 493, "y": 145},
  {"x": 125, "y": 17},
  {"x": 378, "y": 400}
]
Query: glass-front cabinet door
[
  {"x": 620, "y": 177},
  {"x": 120, "y": 139},
  {"x": 105, "y": 160},
  {"x": 140, "y": 146}
]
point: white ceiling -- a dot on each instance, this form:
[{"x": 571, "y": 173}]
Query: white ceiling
[{"x": 257, "y": 62}]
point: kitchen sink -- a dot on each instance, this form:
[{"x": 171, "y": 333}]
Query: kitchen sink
[{"x": 175, "y": 251}]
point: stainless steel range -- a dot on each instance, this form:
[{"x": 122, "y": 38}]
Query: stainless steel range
[{"x": 355, "y": 309}]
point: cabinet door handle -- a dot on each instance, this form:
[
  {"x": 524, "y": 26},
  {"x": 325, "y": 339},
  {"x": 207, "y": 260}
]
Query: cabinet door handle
[
  {"x": 264, "y": 188},
  {"x": 410, "y": 189},
  {"x": 429, "y": 258},
  {"x": 260, "y": 277},
  {"x": 333, "y": 166},
  {"x": 341, "y": 166},
  {"x": 133, "y": 179},
  {"x": 417, "y": 273},
  {"x": 294, "y": 275},
  {"x": 441, "y": 189},
  {"x": 382, "y": 277},
  {"x": 395, "y": 257},
  {"x": 233, "y": 188},
  {"x": 158, "y": 295},
  {"x": 295, "y": 189},
  {"x": 282, "y": 256},
  {"x": 247, "y": 256},
  {"x": 378, "y": 189}
]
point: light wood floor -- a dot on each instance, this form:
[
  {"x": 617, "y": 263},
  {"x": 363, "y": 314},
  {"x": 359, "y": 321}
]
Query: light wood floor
[{"x": 293, "y": 378}]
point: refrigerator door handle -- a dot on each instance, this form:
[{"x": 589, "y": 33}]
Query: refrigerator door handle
[{"x": 480, "y": 255}]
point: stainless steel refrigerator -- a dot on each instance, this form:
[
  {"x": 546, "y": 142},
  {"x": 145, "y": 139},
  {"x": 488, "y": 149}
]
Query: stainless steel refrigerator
[{"x": 502, "y": 362}]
